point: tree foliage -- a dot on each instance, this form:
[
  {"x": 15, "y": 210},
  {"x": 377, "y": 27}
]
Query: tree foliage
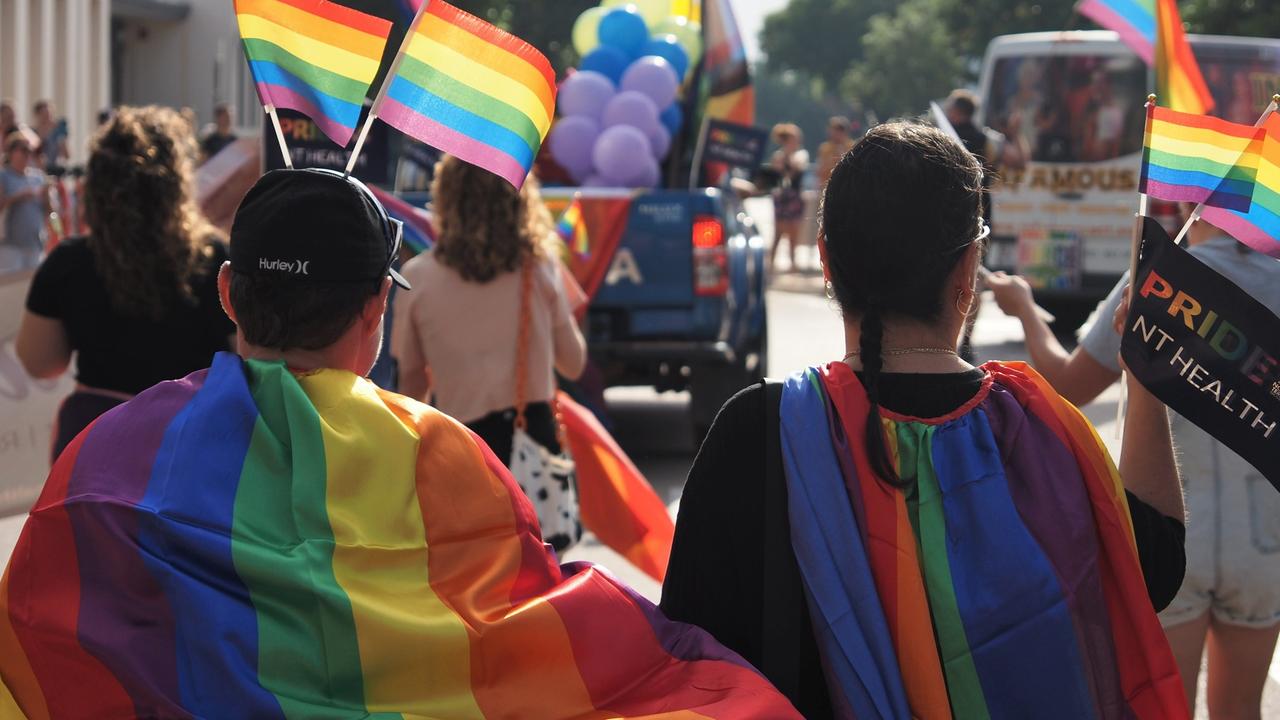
[
  {"x": 908, "y": 60},
  {"x": 819, "y": 38}
]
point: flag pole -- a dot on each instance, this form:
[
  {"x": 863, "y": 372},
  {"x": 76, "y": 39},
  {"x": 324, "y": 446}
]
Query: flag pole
[
  {"x": 1134, "y": 248},
  {"x": 1195, "y": 214},
  {"x": 386, "y": 85},
  {"x": 284, "y": 147}
]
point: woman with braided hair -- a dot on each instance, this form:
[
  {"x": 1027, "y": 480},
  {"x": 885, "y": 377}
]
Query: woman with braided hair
[{"x": 900, "y": 534}]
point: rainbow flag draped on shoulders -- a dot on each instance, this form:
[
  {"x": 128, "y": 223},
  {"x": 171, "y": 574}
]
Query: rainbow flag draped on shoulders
[
  {"x": 1200, "y": 159},
  {"x": 1004, "y": 582},
  {"x": 313, "y": 56},
  {"x": 472, "y": 90},
  {"x": 1153, "y": 29},
  {"x": 248, "y": 542}
]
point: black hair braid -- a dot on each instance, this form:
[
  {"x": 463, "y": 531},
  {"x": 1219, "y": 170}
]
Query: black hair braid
[
  {"x": 871, "y": 352},
  {"x": 898, "y": 214}
]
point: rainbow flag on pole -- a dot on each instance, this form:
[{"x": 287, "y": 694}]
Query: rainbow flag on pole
[
  {"x": 247, "y": 542},
  {"x": 1153, "y": 28},
  {"x": 1259, "y": 225},
  {"x": 1200, "y": 159},
  {"x": 313, "y": 56},
  {"x": 1133, "y": 20},
  {"x": 572, "y": 229},
  {"x": 472, "y": 90}
]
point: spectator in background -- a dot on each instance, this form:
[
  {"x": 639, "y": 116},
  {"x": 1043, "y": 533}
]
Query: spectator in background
[
  {"x": 53, "y": 133},
  {"x": 791, "y": 162},
  {"x": 838, "y": 143},
  {"x": 25, "y": 204},
  {"x": 1231, "y": 595},
  {"x": 137, "y": 299},
  {"x": 220, "y": 135},
  {"x": 462, "y": 321},
  {"x": 8, "y": 119}
]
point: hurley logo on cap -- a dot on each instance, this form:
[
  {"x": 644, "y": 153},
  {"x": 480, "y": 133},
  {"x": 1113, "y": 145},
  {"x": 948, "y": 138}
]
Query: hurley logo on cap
[{"x": 296, "y": 267}]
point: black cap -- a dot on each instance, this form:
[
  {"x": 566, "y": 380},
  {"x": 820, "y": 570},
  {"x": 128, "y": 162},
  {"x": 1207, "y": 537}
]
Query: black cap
[{"x": 314, "y": 224}]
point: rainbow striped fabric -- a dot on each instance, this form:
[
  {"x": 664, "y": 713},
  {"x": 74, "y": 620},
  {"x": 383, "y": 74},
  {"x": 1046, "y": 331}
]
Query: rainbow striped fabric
[
  {"x": 1259, "y": 226},
  {"x": 313, "y": 56},
  {"x": 1153, "y": 28},
  {"x": 572, "y": 229},
  {"x": 1200, "y": 159},
  {"x": 1004, "y": 582},
  {"x": 248, "y": 542},
  {"x": 472, "y": 90}
]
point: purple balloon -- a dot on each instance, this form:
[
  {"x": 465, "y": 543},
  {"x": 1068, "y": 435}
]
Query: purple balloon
[
  {"x": 654, "y": 77},
  {"x": 585, "y": 93},
  {"x": 660, "y": 139},
  {"x": 571, "y": 141},
  {"x": 596, "y": 181},
  {"x": 631, "y": 108},
  {"x": 621, "y": 155},
  {"x": 649, "y": 176}
]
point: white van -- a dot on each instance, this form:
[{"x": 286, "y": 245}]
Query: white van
[{"x": 1074, "y": 100}]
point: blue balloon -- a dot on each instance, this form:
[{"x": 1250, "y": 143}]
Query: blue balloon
[
  {"x": 668, "y": 48},
  {"x": 672, "y": 118},
  {"x": 623, "y": 28},
  {"x": 608, "y": 61}
]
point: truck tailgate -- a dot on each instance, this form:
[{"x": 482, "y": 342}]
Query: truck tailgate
[{"x": 653, "y": 265}]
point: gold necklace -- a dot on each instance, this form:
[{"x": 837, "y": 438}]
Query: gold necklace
[{"x": 898, "y": 352}]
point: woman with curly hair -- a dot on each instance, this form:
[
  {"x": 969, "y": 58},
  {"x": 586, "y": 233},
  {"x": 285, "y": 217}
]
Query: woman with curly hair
[
  {"x": 456, "y": 334},
  {"x": 136, "y": 299}
]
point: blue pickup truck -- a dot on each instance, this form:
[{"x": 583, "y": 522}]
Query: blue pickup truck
[{"x": 682, "y": 305}]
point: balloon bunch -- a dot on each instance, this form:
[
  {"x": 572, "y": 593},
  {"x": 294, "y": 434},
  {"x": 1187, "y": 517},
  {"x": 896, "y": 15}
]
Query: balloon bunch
[{"x": 619, "y": 110}]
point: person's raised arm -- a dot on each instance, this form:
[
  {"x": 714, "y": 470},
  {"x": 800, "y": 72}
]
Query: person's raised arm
[
  {"x": 1147, "y": 464},
  {"x": 1077, "y": 376}
]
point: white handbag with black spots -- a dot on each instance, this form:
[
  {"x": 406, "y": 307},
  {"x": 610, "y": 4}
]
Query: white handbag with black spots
[{"x": 548, "y": 479}]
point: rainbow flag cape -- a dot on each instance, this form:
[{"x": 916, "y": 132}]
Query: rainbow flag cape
[
  {"x": 1153, "y": 28},
  {"x": 616, "y": 501},
  {"x": 572, "y": 228},
  {"x": 313, "y": 56},
  {"x": 1200, "y": 159},
  {"x": 248, "y": 542},
  {"x": 474, "y": 91},
  {"x": 1004, "y": 582},
  {"x": 1259, "y": 225}
]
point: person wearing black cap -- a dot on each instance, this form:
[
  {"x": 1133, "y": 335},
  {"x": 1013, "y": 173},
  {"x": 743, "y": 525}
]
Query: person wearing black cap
[
  {"x": 310, "y": 271},
  {"x": 319, "y": 547}
]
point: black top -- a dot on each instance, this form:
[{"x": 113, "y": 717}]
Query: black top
[
  {"x": 129, "y": 354},
  {"x": 732, "y": 568},
  {"x": 214, "y": 143}
]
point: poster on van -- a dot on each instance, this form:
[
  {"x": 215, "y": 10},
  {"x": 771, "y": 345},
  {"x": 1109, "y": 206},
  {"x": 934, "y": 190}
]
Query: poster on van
[{"x": 1074, "y": 101}]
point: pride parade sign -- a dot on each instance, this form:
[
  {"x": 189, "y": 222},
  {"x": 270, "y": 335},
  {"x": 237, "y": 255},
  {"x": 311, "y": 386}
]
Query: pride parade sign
[{"x": 1207, "y": 349}]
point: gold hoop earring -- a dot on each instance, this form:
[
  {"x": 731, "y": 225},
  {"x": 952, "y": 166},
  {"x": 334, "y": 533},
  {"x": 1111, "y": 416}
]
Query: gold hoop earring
[{"x": 973, "y": 296}]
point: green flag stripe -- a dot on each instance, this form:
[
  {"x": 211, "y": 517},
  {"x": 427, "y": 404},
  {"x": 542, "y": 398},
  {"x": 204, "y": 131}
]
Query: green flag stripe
[
  {"x": 326, "y": 81},
  {"x": 1204, "y": 165},
  {"x": 470, "y": 99},
  {"x": 915, "y": 460},
  {"x": 282, "y": 545}
]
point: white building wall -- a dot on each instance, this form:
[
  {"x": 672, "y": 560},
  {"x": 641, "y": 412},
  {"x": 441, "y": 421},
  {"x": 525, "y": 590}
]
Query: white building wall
[{"x": 62, "y": 50}]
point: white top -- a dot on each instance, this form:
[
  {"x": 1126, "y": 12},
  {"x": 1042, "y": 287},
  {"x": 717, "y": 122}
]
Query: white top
[{"x": 466, "y": 333}]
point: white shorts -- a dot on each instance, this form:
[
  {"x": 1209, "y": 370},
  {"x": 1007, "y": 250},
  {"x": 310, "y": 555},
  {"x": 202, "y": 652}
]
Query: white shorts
[{"x": 1233, "y": 536}]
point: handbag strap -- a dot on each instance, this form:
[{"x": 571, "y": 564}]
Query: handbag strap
[{"x": 522, "y": 343}]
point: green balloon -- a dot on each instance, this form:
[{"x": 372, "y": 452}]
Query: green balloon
[
  {"x": 586, "y": 28},
  {"x": 653, "y": 11},
  {"x": 687, "y": 32}
]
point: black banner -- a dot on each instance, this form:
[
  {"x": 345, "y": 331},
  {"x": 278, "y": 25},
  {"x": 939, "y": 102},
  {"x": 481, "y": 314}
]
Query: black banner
[
  {"x": 1207, "y": 349},
  {"x": 313, "y": 149},
  {"x": 740, "y": 146}
]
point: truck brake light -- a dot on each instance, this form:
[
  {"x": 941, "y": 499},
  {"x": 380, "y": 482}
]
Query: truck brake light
[{"x": 710, "y": 257}]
